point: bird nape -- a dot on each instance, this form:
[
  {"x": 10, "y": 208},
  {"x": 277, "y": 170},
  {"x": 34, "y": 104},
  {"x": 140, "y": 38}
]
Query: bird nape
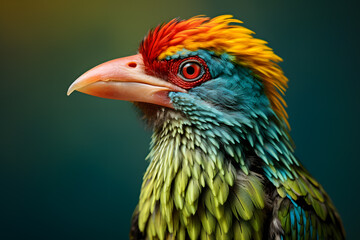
[{"x": 222, "y": 162}]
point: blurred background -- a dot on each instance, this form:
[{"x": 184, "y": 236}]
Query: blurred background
[{"x": 71, "y": 167}]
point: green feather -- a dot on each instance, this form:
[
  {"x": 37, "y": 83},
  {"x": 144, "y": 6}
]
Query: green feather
[
  {"x": 257, "y": 221},
  {"x": 212, "y": 206},
  {"x": 194, "y": 227},
  {"x": 205, "y": 236},
  {"x": 241, "y": 204},
  {"x": 242, "y": 231},
  {"x": 226, "y": 221},
  {"x": 220, "y": 235},
  {"x": 181, "y": 233},
  {"x": 193, "y": 191},
  {"x": 160, "y": 225},
  {"x": 144, "y": 212},
  {"x": 208, "y": 221},
  {"x": 256, "y": 192}
]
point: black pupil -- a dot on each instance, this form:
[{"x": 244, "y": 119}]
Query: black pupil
[{"x": 190, "y": 70}]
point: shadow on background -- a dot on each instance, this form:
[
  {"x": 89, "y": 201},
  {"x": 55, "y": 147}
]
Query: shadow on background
[{"x": 71, "y": 167}]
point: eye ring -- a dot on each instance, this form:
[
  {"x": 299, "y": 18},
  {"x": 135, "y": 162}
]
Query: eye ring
[{"x": 191, "y": 70}]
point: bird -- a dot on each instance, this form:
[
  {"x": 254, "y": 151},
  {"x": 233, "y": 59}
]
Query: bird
[{"x": 222, "y": 163}]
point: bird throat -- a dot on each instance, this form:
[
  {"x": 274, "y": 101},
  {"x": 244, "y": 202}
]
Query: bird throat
[{"x": 191, "y": 187}]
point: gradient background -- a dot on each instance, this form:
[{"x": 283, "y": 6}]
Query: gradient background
[{"x": 71, "y": 167}]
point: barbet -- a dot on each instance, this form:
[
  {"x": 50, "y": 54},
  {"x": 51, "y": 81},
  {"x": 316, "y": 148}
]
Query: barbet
[{"x": 222, "y": 163}]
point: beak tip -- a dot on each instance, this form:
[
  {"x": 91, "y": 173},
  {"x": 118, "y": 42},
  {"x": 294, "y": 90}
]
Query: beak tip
[{"x": 70, "y": 90}]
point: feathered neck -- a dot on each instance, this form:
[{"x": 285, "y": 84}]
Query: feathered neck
[{"x": 196, "y": 156}]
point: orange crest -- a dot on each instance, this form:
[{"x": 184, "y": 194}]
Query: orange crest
[{"x": 221, "y": 34}]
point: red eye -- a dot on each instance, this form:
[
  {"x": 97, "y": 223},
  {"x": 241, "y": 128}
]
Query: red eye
[
  {"x": 187, "y": 73},
  {"x": 190, "y": 70}
]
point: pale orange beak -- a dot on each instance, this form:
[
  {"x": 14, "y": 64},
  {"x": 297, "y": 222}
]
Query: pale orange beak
[{"x": 125, "y": 79}]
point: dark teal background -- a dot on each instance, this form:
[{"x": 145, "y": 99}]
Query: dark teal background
[{"x": 71, "y": 167}]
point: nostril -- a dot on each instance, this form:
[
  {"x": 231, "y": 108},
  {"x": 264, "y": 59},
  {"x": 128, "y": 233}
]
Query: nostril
[{"x": 132, "y": 64}]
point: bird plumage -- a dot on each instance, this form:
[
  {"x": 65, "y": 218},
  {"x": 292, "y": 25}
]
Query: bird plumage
[{"x": 222, "y": 162}]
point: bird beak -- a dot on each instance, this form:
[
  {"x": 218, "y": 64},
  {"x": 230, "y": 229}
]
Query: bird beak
[{"x": 125, "y": 79}]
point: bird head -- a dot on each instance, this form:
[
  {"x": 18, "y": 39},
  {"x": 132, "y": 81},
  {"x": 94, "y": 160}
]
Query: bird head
[{"x": 203, "y": 69}]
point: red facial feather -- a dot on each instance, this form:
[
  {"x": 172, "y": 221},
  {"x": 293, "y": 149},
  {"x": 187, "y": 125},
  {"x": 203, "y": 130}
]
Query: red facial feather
[
  {"x": 170, "y": 71},
  {"x": 162, "y": 37}
]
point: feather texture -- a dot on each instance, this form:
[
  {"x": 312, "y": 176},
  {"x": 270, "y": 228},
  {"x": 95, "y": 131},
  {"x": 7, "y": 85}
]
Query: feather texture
[{"x": 222, "y": 163}]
